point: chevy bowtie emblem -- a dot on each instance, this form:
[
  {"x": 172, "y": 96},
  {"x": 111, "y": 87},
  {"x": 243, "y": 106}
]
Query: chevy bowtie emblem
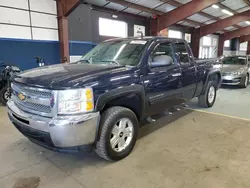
[{"x": 21, "y": 96}]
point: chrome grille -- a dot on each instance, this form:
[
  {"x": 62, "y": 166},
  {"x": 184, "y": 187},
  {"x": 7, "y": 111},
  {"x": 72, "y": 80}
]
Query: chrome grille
[
  {"x": 37, "y": 101},
  {"x": 226, "y": 73}
]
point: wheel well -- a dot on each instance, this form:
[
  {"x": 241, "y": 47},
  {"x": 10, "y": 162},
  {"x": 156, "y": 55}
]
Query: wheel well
[
  {"x": 132, "y": 102},
  {"x": 216, "y": 77}
]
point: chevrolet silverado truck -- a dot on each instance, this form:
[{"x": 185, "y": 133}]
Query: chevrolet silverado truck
[{"x": 100, "y": 100}]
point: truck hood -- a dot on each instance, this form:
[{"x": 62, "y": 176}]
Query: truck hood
[
  {"x": 231, "y": 68},
  {"x": 65, "y": 75}
]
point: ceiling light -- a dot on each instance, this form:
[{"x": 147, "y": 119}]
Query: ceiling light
[
  {"x": 248, "y": 22},
  {"x": 227, "y": 12},
  {"x": 215, "y": 6},
  {"x": 114, "y": 16}
]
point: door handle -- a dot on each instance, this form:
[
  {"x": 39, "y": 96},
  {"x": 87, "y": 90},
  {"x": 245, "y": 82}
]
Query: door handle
[{"x": 176, "y": 74}]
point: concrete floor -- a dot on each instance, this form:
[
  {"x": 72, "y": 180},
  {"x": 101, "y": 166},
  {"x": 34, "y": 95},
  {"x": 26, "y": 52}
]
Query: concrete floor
[
  {"x": 231, "y": 100},
  {"x": 186, "y": 149}
]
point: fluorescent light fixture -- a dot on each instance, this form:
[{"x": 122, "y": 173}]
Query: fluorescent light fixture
[
  {"x": 215, "y": 6},
  {"x": 248, "y": 22},
  {"x": 227, "y": 12}
]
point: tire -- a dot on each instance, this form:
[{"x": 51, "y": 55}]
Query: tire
[
  {"x": 204, "y": 100},
  {"x": 110, "y": 118},
  {"x": 4, "y": 92},
  {"x": 245, "y": 83}
]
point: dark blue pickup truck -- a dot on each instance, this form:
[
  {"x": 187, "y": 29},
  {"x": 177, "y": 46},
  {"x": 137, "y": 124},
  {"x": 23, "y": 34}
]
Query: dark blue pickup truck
[{"x": 100, "y": 100}]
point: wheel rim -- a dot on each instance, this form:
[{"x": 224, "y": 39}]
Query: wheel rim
[
  {"x": 211, "y": 94},
  {"x": 6, "y": 95},
  {"x": 121, "y": 134},
  {"x": 246, "y": 81}
]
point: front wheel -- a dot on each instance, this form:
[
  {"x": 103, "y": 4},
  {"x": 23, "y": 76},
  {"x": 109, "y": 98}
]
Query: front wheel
[
  {"x": 246, "y": 80},
  {"x": 118, "y": 133},
  {"x": 208, "y": 98},
  {"x": 5, "y": 95}
]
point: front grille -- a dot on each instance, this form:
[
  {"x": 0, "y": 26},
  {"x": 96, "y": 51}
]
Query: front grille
[
  {"x": 36, "y": 101},
  {"x": 226, "y": 74}
]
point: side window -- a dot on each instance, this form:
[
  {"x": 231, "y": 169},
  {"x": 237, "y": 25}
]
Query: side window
[
  {"x": 162, "y": 55},
  {"x": 181, "y": 51}
]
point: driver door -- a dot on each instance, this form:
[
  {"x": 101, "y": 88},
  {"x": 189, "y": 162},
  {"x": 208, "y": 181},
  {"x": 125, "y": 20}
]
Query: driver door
[{"x": 163, "y": 81}]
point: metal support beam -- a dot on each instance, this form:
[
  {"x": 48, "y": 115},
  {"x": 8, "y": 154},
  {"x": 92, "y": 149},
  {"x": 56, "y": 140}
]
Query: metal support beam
[
  {"x": 183, "y": 12},
  {"x": 221, "y": 45},
  {"x": 248, "y": 48},
  {"x": 64, "y": 8},
  {"x": 63, "y": 37},
  {"x": 149, "y": 10},
  {"x": 237, "y": 33},
  {"x": 178, "y": 4},
  {"x": 195, "y": 42},
  {"x": 221, "y": 24},
  {"x": 244, "y": 38},
  {"x": 68, "y": 6},
  {"x": 136, "y": 6},
  {"x": 154, "y": 27}
]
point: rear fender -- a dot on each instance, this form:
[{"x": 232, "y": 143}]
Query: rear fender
[{"x": 210, "y": 75}]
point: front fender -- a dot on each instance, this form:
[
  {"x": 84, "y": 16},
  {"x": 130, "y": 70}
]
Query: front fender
[{"x": 121, "y": 92}]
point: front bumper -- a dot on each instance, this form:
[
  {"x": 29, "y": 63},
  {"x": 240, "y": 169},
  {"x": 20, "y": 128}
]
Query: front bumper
[
  {"x": 231, "y": 80},
  {"x": 57, "y": 132}
]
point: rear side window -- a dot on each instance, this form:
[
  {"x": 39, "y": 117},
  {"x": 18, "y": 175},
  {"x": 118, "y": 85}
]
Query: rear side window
[{"x": 182, "y": 52}]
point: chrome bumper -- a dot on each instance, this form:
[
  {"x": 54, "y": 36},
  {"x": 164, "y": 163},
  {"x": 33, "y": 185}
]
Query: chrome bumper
[
  {"x": 231, "y": 80},
  {"x": 64, "y": 131}
]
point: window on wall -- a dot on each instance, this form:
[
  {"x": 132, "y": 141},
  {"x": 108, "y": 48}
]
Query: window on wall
[
  {"x": 188, "y": 37},
  {"x": 227, "y": 43},
  {"x": 174, "y": 34},
  {"x": 243, "y": 46},
  {"x": 207, "y": 41},
  {"x": 112, "y": 28}
]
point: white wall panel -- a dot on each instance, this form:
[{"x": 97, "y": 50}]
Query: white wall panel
[
  {"x": 23, "y": 4},
  {"x": 43, "y": 20},
  {"x": 12, "y": 31},
  {"x": 44, "y": 34},
  {"x": 14, "y": 16},
  {"x": 48, "y": 6}
]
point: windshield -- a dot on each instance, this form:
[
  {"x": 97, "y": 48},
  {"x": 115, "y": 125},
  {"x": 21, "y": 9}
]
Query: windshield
[
  {"x": 122, "y": 52},
  {"x": 235, "y": 60}
]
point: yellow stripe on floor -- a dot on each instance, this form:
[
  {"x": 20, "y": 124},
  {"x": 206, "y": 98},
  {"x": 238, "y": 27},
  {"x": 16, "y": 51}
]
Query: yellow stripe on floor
[{"x": 218, "y": 114}]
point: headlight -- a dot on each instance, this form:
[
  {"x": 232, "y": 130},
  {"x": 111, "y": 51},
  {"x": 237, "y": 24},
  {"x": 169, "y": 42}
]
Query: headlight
[
  {"x": 237, "y": 72},
  {"x": 75, "y": 101}
]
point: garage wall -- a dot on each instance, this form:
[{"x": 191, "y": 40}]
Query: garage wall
[
  {"x": 86, "y": 20},
  {"x": 28, "y": 19},
  {"x": 28, "y": 28}
]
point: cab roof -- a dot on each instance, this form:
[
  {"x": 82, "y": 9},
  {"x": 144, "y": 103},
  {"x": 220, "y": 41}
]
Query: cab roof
[{"x": 147, "y": 38}]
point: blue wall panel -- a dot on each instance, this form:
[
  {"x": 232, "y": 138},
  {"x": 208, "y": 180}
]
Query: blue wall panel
[
  {"x": 79, "y": 48},
  {"x": 23, "y": 52}
]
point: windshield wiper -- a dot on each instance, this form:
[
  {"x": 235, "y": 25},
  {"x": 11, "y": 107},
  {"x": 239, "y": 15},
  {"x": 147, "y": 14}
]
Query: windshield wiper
[
  {"x": 85, "y": 60},
  {"x": 111, "y": 62}
]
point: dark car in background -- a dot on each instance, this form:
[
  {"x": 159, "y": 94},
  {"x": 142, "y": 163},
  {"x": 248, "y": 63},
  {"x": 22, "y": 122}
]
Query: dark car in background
[{"x": 235, "y": 70}]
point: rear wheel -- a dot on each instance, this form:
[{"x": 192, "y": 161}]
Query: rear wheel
[
  {"x": 118, "y": 134},
  {"x": 5, "y": 95},
  {"x": 208, "y": 98}
]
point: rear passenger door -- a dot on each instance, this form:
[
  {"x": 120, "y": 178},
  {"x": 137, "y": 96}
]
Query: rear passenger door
[{"x": 188, "y": 69}]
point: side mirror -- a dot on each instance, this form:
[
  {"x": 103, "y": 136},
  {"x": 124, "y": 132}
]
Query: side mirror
[{"x": 160, "y": 61}]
